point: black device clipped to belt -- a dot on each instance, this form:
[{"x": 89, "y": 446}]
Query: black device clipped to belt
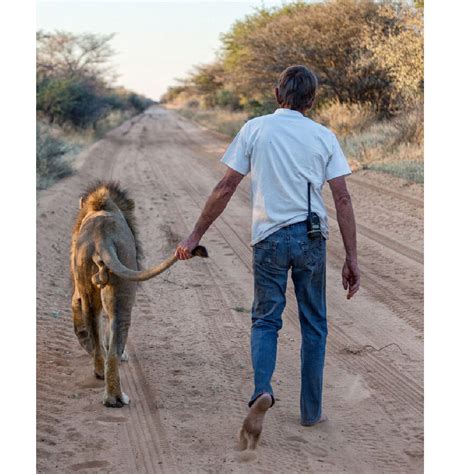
[{"x": 313, "y": 223}]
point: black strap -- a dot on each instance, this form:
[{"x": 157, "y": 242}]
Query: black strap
[{"x": 309, "y": 200}]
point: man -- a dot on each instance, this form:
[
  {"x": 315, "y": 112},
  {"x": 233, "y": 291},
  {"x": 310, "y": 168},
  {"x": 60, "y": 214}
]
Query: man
[{"x": 290, "y": 158}]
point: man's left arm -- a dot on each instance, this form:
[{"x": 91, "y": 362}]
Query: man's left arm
[
  {"x": 336, "y": 171},
  {"x": 215, "y": 205},
  {"x": 347, "y": 226}
]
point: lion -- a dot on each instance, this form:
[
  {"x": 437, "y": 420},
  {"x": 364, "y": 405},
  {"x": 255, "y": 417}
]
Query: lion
[{"x": 104, "y": 261}]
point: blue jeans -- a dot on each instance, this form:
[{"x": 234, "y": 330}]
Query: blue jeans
[{"x": 285, "y": 249}]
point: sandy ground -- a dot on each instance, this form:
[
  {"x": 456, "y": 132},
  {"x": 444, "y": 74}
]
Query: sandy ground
[{"x": 189, "y": 374}]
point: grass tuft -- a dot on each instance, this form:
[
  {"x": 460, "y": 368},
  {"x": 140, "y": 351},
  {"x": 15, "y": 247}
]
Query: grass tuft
[
  {"x": 52, "y": 158},
  {"x": 345, "y": 119},
  {"x": 406, "y": 169},
  {"x": 220, "y": 120}
]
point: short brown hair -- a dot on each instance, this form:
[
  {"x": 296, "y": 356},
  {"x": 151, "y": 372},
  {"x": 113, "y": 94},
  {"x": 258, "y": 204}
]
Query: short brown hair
[{"x": 297, "y": 87}]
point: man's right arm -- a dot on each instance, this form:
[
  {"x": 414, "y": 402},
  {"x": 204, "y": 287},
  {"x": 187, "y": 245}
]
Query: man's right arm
[
  {"x": 347, "y": 226},
  {"x": 213, "y": 208}
]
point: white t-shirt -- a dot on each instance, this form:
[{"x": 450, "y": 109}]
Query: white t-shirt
[{"x": 284, "y": 151}]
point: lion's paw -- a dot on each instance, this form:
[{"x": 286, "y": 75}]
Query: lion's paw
[{"x": 116, "y": 402}]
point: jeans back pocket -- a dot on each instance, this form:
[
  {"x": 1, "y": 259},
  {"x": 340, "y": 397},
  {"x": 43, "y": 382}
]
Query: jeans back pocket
[
  {"x": 265, "y": 252},
  {"x": 313, "y": 251}
]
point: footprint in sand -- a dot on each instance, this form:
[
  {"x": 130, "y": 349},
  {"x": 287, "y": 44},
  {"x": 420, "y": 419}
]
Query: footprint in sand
[
  {"x": 298, "y": 439},
  {"x": 246, "y": 456},
  {"x": 91, "y": 382},
  {"x": 89, "y": 465},
  {"x": 111, "y": 419}
]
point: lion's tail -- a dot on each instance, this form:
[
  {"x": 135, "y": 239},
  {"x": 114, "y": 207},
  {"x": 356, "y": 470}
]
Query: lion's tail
[{"x": 111, "y": 261}]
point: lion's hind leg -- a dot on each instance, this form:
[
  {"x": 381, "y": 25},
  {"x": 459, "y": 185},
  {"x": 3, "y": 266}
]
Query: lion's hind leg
[
  {"x": 114, "y": 396},
  {"x": 95, "y": 318},
  {"x": 86, "y": 317},
  {"x": 81, "y": 328},
  {"x": 118, "y": 306}
]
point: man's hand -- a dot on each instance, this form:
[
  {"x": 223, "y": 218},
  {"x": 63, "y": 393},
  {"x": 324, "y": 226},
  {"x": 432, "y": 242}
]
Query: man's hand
[
  {"x": 350, "y": 278},
  {"x": 215, "y": 204},
  {"x": 185, "y": 247}
]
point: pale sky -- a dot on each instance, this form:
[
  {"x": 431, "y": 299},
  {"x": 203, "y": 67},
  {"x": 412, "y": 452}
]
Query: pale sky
[{"x": 156, "y": 41}]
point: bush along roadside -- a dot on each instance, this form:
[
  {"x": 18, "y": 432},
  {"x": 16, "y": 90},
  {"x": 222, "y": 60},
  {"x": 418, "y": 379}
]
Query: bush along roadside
[
  {"x": 368, "y": 57},
  {"x": 52, "y": 158},
  {"x": 75, "y": 100}
]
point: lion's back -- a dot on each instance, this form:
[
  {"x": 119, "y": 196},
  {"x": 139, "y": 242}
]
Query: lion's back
[{"x": 107, "y": 229}]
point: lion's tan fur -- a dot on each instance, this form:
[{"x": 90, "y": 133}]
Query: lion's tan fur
[{"x": 105, "y": 219}]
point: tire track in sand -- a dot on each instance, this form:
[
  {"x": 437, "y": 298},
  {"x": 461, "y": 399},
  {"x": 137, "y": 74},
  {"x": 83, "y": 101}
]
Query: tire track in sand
[
  {"x": 146, "y": 433},
  {"x": 363, "y": 183}
]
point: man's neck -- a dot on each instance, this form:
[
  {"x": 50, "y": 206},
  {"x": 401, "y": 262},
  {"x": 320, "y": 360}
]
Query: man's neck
[{"x": 303, "y": 111}]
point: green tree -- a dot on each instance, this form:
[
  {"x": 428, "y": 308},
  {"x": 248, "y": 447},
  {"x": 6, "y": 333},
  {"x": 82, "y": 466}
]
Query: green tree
[
  {"x": 362, "y": 51},
  {"x": 70, "y": 100},
  {"x": 69, "y": 55}
]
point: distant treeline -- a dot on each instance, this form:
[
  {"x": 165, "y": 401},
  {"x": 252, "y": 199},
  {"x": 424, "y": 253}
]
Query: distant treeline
[
  {"x": 76, "y": 101},
  {"x": 362, "y": 51},
  {"x": 74, "y": 77}
]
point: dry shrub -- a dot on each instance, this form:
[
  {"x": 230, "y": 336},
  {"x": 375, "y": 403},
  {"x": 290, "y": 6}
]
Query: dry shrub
[
  {"x": 396, "y": 46},
  {"x": 110, "y": 121},
  {"x": 370, "y": 143},
  {"x": 52, "y": 161},
  {"x": 410, "y": 126},
  {"x": 344, "y": 118},
  {"x": 192, "y": 104},
  {"x": 389, "y": 146},
  {"x": 219, "y": 120}
]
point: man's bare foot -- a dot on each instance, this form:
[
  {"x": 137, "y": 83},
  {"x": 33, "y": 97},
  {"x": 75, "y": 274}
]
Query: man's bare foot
[
  {"x": 322, "y": 419},
  {"x": 253, "y": 423}
]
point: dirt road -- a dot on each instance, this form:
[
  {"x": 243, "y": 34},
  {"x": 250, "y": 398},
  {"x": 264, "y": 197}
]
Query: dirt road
[{"x": 189, "y": 373}]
